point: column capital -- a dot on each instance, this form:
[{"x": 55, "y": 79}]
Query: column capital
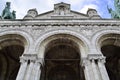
[
  {"x": 102, "y": 60},
  {"x": 97, "y": 57},
  {"x": 40, "y": 61},
  {"x": 85, "y": 61},
  {"x": 22, "y": 59},
  {"x": 28, "y": 57}
]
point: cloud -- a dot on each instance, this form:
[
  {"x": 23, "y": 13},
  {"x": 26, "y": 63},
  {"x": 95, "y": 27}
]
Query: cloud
[
  {"x": 22, "y": 6},
  {"x": 85, "y": 8}
]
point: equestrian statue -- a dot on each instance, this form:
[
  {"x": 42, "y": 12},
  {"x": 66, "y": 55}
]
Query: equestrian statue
[{"x": 6, "y": 14}]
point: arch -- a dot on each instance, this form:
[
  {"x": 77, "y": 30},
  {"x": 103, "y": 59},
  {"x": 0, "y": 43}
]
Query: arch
[
  {"x": 24, "y": 36},
  {"x": 62, "y": 49},
  {"x": 81, "y": 40},
  {"x": 13, "y": 44},
  {"x": 97, "y": 36},
  {"x": 107, "y": 43}
]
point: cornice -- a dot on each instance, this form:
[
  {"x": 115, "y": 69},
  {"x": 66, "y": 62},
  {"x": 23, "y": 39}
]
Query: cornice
[{"x": 59, "y": 22}]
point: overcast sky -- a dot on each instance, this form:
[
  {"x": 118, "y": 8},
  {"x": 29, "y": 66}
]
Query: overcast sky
[{"x": 22, "y": 6}]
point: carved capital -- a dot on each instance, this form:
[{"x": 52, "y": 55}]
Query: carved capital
[
  {"x": 28, "y": 58},
  {"x": 102, "y": 60},
  {"x": 85, "y": 62},
  {"x": 22, "y": 59},
  {"x": 96, "y": 57},
  {"x": 40, "y": 61}
]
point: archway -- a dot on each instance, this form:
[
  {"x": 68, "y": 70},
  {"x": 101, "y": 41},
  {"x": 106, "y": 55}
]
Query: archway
[
  {"x": 62, "y": 60},
  {"x": 110, "y": 47},
  {"x": 12, "y": 46}
]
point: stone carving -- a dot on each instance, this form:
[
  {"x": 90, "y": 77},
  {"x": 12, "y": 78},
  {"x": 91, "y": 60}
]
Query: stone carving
[
  {"x": 6, "y": 14},
  {"x": 115, "y": 14},
  {"x": 62, "y": 9}
]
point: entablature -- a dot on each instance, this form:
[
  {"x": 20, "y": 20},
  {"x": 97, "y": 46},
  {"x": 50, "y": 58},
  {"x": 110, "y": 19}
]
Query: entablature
[{"x": 65, "y": 22}]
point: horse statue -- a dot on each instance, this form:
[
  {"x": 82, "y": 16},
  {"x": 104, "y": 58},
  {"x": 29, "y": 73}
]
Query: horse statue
[
  {"x": 6, "y": 14},
  {"x": 115, "y": 14}
]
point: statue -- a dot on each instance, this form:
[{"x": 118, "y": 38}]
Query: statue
[
  {"x": 14, "y": 14},
  {"x": 115, "y": 14},
  {"x": 6, "y": 14}
]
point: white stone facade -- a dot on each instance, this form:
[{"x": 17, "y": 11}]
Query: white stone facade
[{"x": 35, "y": 35}]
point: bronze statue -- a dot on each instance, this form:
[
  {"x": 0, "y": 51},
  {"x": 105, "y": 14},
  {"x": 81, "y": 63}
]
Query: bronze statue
[
  {"x": 6, "y": 14},
  {"x": 115, "y": 14}
]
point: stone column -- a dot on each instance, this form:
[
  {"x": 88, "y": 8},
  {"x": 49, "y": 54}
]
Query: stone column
[
  {"x": 29, "y": 70},
  {"x": 36, "y": 73},
  {"x": 22, "y": 69},
  {"x": 95, "y": 70},
  {"x": 31, "y": 58},
  {"x": 86, "y": 64},
  {"x": 102, "y": 69}
]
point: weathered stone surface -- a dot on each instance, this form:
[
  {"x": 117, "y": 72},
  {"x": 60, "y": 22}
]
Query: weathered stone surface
[{"x": 43, "y": 35}]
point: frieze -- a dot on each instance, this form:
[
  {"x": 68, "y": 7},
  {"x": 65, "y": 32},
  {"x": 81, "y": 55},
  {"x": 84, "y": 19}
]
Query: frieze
[
  {"x": 55, "y": 22},
  {"x": 36, "y": 28}
]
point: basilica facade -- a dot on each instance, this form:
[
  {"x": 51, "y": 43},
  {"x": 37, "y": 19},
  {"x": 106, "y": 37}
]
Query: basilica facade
[{"x": 61, "y": 44}]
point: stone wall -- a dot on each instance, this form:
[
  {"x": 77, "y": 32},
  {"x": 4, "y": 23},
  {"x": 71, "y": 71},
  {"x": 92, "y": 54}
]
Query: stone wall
[{"x": 36, "y": 34}]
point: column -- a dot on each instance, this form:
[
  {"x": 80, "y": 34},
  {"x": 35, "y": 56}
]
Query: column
[
  {"x": 22, "y": 69},
  {"x": 102, "y": 69},
  {"x": 86, "y": 69},
  {"x": 29, "y": 70},
  {"x": 95, "y": 71},
  {"x": 36, "y": 71}
]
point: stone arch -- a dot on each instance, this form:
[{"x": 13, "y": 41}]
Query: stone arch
[
  {"x": 12, "y": 45},
  {"x": 81, "y": 39},
  {"x": 107, "y": 43},
  {"x": 27, "y": 39},
  {"x": 97, "y": 36},
  {"x": 67, "y": 40}
]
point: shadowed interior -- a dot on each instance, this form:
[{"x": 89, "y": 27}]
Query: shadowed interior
[
  {"x": 62, "y": 61},
  {"x": 112, "y": 54},
  {"x": 9, "y": 59}
]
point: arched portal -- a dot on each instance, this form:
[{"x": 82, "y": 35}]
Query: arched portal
[
  {"x": 12, "y": 46},
  {"x": 62, "y": 59},
  {"x": 110, "y": 47}
]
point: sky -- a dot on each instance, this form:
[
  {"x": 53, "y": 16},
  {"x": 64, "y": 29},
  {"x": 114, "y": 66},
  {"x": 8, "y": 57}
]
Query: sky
[{"x": 22, "y": 6}]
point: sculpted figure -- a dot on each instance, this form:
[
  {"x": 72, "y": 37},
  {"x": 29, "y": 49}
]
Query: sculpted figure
[
  {"x": 115, "y": 14},
  {"x": 6, "y": 14},
  {"x": 14, "y": 14}
]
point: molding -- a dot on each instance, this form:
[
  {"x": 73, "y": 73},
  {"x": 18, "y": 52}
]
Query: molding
[{"x": 58, "y": 22}]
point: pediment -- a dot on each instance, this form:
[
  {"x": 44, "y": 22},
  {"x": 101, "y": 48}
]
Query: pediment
[
  {"x": 61, "y": 11},
  {"x": 52, "y": 15}
]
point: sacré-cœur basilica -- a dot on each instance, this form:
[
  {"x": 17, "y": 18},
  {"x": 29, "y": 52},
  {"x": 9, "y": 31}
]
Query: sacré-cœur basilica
[{"x": 61, "y": 44}]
